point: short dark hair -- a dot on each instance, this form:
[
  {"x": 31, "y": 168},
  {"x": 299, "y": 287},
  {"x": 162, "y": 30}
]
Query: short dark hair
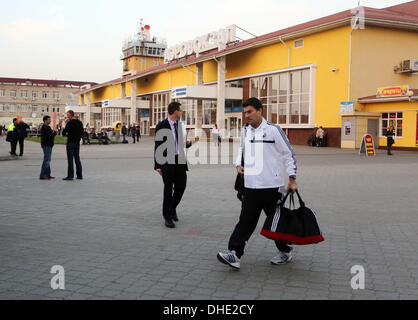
[
  {"x": 254, "y": 102},
  {"x": 15, "y": 119},
  {"x": 46, "y": 118},
  {"x": 173, "y": 107},
  {"x": 71, "y": 112}
]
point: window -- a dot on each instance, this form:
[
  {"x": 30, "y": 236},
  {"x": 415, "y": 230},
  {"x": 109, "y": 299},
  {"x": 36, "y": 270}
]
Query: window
[
  {"x": 34, "y": 108},
  {"x": 160, "y": 103},
  {"x": 13, "y": 93},
  {"x": 56, "y": 109},
  {"x": 155, "y": 62},
  {"x": 45, "y": 109},
  {"x": 144, "y": 62},
  {"x": 285, "y": 96},
  {"x": 299, "y": 43},
  {"x": 393, "y": 119},
  {"x": 12, "y": 108},
  {"x": 189, "y": 107},
  {"x": 209, "y": 112},
  {"x": 56, "y": 95},
  {"x": 34, "y": 94},
  {"x": 45, "y": 94},
  {"x": 1, "y": 108},
  {"x": 24, "y": 93},
  {"x": 2, "y": 92}
]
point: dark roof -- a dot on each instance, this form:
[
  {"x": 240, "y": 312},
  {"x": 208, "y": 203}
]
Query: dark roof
[
  {"x": 48, "y": 83},
  {"x": 404, "y": 13},
  {"x": 408, "y": 8}
]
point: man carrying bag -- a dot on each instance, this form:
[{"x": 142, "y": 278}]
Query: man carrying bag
[{"x": 265, "y": 148}]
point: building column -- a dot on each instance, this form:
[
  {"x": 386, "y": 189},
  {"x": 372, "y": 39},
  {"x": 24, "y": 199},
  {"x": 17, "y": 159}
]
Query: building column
[
  {"x": 199, "y": 111},
  {"x": 88, "y": 113},
  {"x": 220, "y": 108},
  {"x": 133, "y": 118}
]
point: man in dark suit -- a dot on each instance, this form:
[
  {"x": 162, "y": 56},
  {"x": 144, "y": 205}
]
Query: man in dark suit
[{"x": 170, "y": 161}]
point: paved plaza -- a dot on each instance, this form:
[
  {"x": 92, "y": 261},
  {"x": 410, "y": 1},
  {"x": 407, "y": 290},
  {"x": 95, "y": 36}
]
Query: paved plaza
[{"x": 108, "y": 233}]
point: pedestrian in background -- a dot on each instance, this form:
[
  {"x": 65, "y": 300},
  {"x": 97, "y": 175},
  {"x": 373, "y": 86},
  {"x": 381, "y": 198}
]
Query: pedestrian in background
[
  {"x": 47, "y": 143},
  {"x": 138, "y": 132},
  {"x": 390, "y": 141},
  {"x": 124, "y": 132},
  {"x": 132, "y": 130},
  {"x": 12, "y": 137},
  {"x": 74, "y": 131},
  {"x": 22, "y": 133}
]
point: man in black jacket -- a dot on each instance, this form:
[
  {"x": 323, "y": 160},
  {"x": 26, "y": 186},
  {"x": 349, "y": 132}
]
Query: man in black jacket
[
  {"x": 170, "y": 161},
  {"x": 47, "y": 143},
  {"x": 22, "y": 133},
  {"x": 74, "y": 131},
  {"x": 124, "y": 133}
]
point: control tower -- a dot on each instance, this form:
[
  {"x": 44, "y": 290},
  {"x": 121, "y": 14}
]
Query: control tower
[{"x": 142, "y": 51}]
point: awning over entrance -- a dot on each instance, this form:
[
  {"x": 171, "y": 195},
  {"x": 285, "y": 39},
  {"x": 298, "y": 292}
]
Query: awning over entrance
[{"x": 205, "y": 93}]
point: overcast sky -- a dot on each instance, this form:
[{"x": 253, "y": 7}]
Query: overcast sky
[{"x": 82, "y": 39}]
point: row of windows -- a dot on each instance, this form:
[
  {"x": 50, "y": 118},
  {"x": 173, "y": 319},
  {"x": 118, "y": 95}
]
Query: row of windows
[
  {"x": 285, "y": 96},
  {"x": 24, "y": 94},
  {"x": 28, "y": 108}
]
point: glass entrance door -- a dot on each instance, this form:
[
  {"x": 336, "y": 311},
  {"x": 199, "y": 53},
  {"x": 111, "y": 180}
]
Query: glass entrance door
[
  {"x": 233, "y": 126},
  {"x": 145, "y": 127}
]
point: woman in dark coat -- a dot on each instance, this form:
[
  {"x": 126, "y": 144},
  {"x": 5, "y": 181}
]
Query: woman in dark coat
[{"x": 390, "y": 134}]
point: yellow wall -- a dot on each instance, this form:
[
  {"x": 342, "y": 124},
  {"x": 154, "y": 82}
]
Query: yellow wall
[
  {"x": 161, "y": 81},
  {"x": 375, "y": 53},
  {"x": 128, "y": 88},
  {"x": 135, "y": 63},
  {"x": 327, "y": 49},
  {"x": 210, "y": 71},
  {"x": 105, "y": 93},
  {"x": 409, "y": 129}
]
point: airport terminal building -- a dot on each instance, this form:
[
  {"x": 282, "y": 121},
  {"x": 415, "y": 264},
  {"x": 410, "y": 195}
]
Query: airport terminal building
[{"x": 354, "y": 72}]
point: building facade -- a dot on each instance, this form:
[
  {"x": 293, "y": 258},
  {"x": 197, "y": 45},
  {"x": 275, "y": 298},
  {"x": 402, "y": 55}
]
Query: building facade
[
  {"x": 32, "y": 99},
  {"x": 304, "y": 75}
]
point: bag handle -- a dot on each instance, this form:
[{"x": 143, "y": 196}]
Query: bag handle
[{"x": 292, "y": 200}]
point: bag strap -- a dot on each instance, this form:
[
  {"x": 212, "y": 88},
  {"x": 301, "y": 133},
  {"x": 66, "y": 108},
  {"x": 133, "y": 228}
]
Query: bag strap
[{"x": 292, "y": 200}]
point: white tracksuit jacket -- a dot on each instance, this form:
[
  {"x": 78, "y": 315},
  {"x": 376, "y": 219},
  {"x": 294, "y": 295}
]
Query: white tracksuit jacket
[{"x": 266, "y": 152}]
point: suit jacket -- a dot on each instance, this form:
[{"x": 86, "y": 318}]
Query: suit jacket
[{"x": 166, "y": 137}]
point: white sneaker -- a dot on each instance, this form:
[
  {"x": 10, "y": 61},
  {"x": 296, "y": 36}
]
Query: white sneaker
[
  {"x": 230, "y": 259},
  {"x": 282, "y": 258}
]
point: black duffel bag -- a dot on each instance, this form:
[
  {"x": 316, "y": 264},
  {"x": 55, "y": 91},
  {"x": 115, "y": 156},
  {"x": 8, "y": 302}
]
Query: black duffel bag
[{"x": 297, "y": 226}]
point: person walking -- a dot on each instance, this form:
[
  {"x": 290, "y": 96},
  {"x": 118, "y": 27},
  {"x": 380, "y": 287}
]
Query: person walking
[
  {"x": 74, "y": 131},
  {"x": 12, "y": 137},
  {"x": 22, "y": 133},
  {"x": 216, "y": 135},
  {"x": 390, "y": 141},
  {"x": 263, "y": 152},
  {"x": 138, "y": 132},
  {"x": 47, "y": 143},
  {"x": 170, "y": 161}
]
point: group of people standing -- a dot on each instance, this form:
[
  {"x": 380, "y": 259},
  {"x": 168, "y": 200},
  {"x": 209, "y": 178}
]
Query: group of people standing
[
  {"x": 73, "y": 131},
  {"x": 134, "y": 131}
]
